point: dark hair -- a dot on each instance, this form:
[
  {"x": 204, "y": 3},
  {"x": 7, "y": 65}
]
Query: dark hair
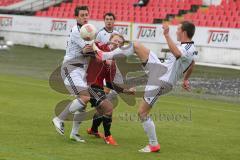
[
  {"x": 78, "y": 8},
  {"x": 189, "y": 27},
  {"x": 109, "y": 14}
]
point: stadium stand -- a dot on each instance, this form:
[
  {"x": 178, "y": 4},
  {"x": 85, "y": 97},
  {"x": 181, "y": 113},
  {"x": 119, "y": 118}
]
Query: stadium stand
[
  {"x": 227, "y": 15},
  {"x": 8, "y": 2},
  {"x": 124, "y": 10}
]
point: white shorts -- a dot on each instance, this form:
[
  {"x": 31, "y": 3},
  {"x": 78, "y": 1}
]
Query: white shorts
[
  {"x": 74, "y": 78},
  {"x": 155, "y": 87},
  {"x": 152, "y": 93}
]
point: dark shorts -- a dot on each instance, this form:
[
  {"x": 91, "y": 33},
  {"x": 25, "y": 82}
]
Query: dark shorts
[{"x": 97, "y": 95}]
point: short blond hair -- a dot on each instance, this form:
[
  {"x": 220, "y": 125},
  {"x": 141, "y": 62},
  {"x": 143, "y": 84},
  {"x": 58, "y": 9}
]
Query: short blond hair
[{"x": 116, "y": 34}]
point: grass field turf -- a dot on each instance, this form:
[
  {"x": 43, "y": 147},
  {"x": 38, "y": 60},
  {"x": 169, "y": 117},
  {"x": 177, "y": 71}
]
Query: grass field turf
[{"x": 27, "y": 107}]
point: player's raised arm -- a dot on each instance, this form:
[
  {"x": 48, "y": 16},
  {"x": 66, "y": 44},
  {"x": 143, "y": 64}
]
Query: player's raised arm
[
  {"x": 187, "y": 74},
  {"x": 172, "y": 46}
]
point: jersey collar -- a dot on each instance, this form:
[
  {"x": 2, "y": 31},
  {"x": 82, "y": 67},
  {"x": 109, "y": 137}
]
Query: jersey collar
[
  {"x": 107, "y": 30},
  {"x": 79, "y": 25},
  {"x": 187, "y": 42}
]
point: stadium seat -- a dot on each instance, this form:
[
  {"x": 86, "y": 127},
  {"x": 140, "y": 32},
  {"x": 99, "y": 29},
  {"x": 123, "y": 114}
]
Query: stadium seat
[
  {"x": 225, "y": 24},
  {"x": 8, "y": 2},
  {"x": 174, "y": 22},
  {"x": 200, "y": 23},
  {"x": 217, "y": 23},
  {"x": 232, "y": 24},
  {"x": 155, "y": 9},
  {"x": 227, "y": 14}
]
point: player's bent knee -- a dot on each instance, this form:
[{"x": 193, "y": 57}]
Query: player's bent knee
[
  {"x": 77, "y": 105},
  {"x": 109, "y": 111},
  {"x": 141, "y": 114},
  {"x": 84, "y": 99},
  {"x": 107, "y": 107},
  {"x": 136, "y": 45}
]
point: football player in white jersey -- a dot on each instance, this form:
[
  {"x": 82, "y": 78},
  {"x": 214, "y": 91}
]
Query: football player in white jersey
[
  {"x": 105, "y": 33},
  {"x": 73, "y": 72},
  {"x": 162, "y": 76}
]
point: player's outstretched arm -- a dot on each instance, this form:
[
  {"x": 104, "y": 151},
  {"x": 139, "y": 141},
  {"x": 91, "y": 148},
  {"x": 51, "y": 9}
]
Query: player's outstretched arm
[
  {"x": 172, "y": 46},
  {"x": 187, "y": 74},
  {"x": 121, "y": 89}
]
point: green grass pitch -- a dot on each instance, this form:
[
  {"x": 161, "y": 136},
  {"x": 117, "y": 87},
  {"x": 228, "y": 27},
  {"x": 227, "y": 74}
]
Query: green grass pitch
[{"x": 188, "y": 128}]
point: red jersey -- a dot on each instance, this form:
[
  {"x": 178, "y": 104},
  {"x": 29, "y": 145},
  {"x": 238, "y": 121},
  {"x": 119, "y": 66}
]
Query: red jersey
[{"x": 99, "y": 70}]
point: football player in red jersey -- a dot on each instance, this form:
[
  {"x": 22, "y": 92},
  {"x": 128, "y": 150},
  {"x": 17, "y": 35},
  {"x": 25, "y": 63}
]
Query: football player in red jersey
[{"x": 96, "y": 73}]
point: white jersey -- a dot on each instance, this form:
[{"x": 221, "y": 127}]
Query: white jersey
[
  {"x": 103, "y": 35},
  {"x": 75, "y": 44},
  {"x": 177, "y": 67}
]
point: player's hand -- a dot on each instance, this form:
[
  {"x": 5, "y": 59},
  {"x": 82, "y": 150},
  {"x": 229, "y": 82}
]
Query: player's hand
[
  {"x": 130, "y": 91},
  {"x": 88, "y": 48},
  {"x": 165, "y": 28},
  {"x": 186, "y": 85}
]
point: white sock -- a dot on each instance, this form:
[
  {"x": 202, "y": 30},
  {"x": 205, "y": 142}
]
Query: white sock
[
  {"x": 75, "y": 127},
  {"x": 149, "y": 129},
  {"x": 63, "y": 115},
  {"x": 76, "y": 105},
  {"x": 126, "y": 51}
]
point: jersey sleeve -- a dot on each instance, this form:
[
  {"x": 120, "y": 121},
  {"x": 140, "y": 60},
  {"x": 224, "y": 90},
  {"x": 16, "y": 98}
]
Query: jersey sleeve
[
  {"x": 98, "y": 37},
  {"x": 187, "y": 52}
]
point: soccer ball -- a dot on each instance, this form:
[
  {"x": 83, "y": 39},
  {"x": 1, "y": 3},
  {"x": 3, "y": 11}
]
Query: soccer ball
[{"x": 88, "y": 32}]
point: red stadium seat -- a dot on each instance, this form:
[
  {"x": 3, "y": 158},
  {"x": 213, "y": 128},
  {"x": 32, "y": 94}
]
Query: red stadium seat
[
  {"x": 38, "y": 13},
  {"x": 238, "y": 25},
  {"x": 201, "y": 23},
  {"x": 124, "y": 10},
  {"x": 175, "y": 22},
  {"x": 227, "y": 14},
  {"x": 225, "y": 24},
  {"x": 233, "y": 24},
  {"x": 8, "y": 2},
  {"x": 217, "y": 23}
]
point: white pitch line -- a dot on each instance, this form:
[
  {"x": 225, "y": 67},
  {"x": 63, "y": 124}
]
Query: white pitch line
[
  {"x": 218, "y": 65},
  {"x": 217, "y": 109}
]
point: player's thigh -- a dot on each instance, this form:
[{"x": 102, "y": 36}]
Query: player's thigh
[
  {"x": 141, "y": 51},
  {"x": 155, "y": 68},
  {"x": 105, "y": 107},
  {"x": 153, "y": 92},
  {"x": 75, "y": 81}
]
